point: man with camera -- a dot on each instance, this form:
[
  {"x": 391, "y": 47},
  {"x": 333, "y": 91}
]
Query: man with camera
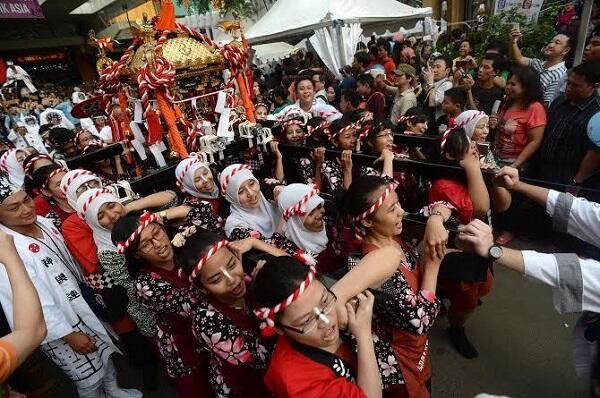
[{"x": 482, "y": 93}]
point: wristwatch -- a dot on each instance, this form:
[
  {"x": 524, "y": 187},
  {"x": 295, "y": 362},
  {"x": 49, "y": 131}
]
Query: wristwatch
[{"x": 495, "y": 252}]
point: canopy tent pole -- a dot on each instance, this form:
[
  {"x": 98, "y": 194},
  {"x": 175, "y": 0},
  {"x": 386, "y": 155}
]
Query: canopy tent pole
[{"x": 586, "y": 14}]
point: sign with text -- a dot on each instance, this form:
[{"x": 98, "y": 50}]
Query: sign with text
[
  {"x": 529, "y": 8},
  {"x": 20, "y": 9}
]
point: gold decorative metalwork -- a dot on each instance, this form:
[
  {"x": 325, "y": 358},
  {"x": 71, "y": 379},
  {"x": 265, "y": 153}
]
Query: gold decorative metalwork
[
  {"x": 190, "y": 56},
  {"x": 103, "y": 63},
  {"x": 186, "y": 52}
]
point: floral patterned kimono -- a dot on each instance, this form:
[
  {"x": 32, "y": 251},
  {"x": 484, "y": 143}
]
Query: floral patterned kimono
[
  {"x": 332, "y": 176},
  {"x": 204, "y": 214},
  {"x": 405, "y": 318},
  {"x": 173, "y": 302},
  {"x": 238, "y": 354}
]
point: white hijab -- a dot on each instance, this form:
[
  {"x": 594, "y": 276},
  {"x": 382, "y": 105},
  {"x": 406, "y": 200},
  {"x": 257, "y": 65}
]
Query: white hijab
[
  {"x": 469, "y": 120},
  {"x": 187, "y": 179},
  {"x": 294, "y": 229},
  {"x": 101, "y": 234},
  {"x": 70, "y": 189},
  {"x": 262, "y": 219},
  {"x": 12, "y": 167}
]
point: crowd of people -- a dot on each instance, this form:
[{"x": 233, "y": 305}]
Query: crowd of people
[{"x": 267, "y": 274}]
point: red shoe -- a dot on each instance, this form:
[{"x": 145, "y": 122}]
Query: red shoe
[{"x": 505, "y": 238}]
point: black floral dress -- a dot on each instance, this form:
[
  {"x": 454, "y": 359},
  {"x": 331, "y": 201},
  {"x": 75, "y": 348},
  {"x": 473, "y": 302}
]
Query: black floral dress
[
  {"x": 299, "y": 170},
  {"x": 202, "y": 215},
  {"x": 238, "y": 354},
  {"x": 404, "y": 309},
  {"x": 172, "y": 303},
  {"x": 332, "y": 176}
]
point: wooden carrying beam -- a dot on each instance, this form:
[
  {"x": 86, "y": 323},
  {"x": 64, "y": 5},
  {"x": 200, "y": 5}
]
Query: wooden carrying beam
[
  {"x": 427, "y": 169},
  {"x": 416, "y": 140},
  {"x": 105, "y": 153},
  {"x": 153, "y": 182}
]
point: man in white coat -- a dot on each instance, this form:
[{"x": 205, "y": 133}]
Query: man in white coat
[
  {"x": 77, "y": 341},
  {"x": 23, "y": 137},
  {"x": 17, "y": 76}
]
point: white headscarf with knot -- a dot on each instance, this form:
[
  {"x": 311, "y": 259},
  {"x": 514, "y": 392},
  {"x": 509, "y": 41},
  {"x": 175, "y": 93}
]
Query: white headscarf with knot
[
  {"x": 294, "y": 229},
  {"x": 13, "y": 169},
  {"x": 187, "y": 182},
  {"x": 71, "y": 190},
  {"x": 101, "y": 234},
  {"x": 263, "y": 219},
  {"x": 469, "y": 120}
]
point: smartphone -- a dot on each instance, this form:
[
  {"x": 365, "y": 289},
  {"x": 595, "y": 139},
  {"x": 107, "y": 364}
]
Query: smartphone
[
  {"x": 462, "y": 64},
  {"x": 495, "y": 107},
  {"x": 483, "y": 148}
]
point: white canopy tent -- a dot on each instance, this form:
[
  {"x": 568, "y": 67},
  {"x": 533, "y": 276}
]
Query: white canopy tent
[
  {"x": 335, "y": 26},
  {"x": 276, "y": 51}
]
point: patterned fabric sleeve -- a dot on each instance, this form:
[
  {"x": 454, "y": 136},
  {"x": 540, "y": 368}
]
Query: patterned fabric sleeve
[
  {"x": 389, "y": 368},
  {"x": 114, "y": 266},
  {"x": 281, "y": 242},
  {"x": 243, "y": 233},
  {"x": 332, "y": 176},
  {"x": 307, "y": 170},
  {"x": 216, "y": 334},
  {"x": 407, "y": 310},
  {"x": 162, "y": 297},
  {"x": 404, "y": 309},
  {"x": 370, "y": 171},
  {"x": 201, "y": 215}
]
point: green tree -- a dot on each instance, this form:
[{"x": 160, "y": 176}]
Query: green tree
[
  {"x": 496, "y": 28},
  {"x": 244, "y": 8}
]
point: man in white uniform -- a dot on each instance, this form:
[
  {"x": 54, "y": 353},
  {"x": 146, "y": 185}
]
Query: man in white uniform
[
  {"x": 17, "y": 76},
  {"x": 23, "y": 137},
  {"x": 77, "y": 341}
]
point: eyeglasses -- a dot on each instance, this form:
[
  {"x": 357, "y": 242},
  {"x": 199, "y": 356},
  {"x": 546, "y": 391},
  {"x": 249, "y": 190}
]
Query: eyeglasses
[
  {"x": 87, "y": 185},
  {"x": 152, "y": 242},
  {"x": 385, "y": 134},
  {"x": 313, "y": 320}
]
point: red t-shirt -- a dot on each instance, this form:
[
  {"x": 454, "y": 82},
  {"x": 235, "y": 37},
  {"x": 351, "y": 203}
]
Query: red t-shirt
[
  {"x": 455, "y": 193},
  {"x": 80, "y": 242},
  {"x": 291, "y": 374},
  {"x": 513, "y": 127}
]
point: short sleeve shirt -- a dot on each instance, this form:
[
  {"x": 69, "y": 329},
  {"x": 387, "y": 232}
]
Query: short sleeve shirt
[
  {"x": 549, "y": 77},
  {"x": 513, "y": 128}
]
